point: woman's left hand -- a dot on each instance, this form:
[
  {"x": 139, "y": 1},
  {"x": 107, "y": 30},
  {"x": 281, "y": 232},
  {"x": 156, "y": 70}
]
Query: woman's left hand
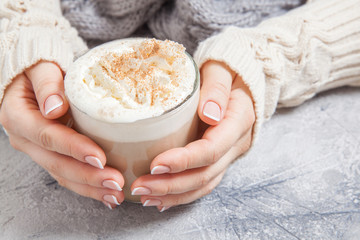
[{"x": 182, "y": 175}]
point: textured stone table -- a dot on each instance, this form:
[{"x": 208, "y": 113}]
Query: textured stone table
[{"x": 301, "y": 181}]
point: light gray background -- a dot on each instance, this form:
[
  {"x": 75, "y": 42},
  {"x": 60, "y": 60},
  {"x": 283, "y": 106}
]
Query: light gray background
[{"x": 300, "y": 181}]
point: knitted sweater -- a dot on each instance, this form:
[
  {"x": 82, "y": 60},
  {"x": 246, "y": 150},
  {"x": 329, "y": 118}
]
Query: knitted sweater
[
  {"x": 285, "y": 60},
  {"x": 184, "y": 21}
]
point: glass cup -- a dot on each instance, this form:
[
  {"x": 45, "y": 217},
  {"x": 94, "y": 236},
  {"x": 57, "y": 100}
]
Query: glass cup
[{"x": 130, "y": 147}]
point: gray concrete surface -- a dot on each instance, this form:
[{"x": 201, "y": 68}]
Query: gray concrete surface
[{"x": 301, "y": 181}]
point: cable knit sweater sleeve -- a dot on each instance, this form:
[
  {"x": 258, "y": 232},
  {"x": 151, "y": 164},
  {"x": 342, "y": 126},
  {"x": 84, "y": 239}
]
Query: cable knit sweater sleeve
[
  {"x": 288, "y": 59},
  {"x": 33, "y": 30}
]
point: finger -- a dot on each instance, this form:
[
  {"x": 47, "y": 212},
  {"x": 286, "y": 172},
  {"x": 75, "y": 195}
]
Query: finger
[
  {"x": 215, "y": 91},
  {"x": 69, "y": 168},
  {"x": 19, "y": 93},
  {"x": 109, "y": 205},
  {"x": 48, "y": 84},
  {"x": 56, "y": 137},
  {"x": 48, "y": 134},
  {"x": 216, "y": 141},
  {"x": 109, "y": 197},
  {"x": 178, "y": 183},
  {"x": 164, "y": 202}
]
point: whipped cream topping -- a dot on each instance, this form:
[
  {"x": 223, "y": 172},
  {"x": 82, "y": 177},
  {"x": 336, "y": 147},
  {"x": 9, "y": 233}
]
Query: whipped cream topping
[{"x": 131, "y": 79}]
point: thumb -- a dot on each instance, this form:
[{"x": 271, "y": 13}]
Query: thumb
[
  {"x": 48, "y": 84},
  {"x": 215, "y": 91}
]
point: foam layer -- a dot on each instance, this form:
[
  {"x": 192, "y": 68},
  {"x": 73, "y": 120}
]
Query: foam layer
[{"x": 132, "y": 79}]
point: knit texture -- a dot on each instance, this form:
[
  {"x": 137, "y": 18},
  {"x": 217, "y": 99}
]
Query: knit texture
[
  {"x": 191, "y": 21},
  {"x": 287, "y": 60},
  {"x": 108, "y": 20},
  {"x": 284, "y": 60},
  {"x": 31, "y": 31},
  {"x": 184, "y": 21}
]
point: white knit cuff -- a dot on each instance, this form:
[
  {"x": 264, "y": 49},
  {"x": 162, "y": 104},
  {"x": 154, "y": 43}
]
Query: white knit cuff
[
  {"x": 234, "y": 49},
  {"x": 33, "y": 44}
]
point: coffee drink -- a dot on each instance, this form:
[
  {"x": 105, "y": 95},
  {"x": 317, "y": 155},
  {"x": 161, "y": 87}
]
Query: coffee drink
[{"x": 136, "y": 98}]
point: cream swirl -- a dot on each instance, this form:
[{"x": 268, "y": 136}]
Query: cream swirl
[{"x": 131, "y": 79}]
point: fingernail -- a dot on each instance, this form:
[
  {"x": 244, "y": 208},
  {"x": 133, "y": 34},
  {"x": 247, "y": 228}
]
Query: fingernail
[
  {"x": 164, "y": 209},
  {"x": 152, "y": 202},
  {"x": 141, "y": 191},
  {"x": 212, "y": 111},
  {"x": 111, "y": 199},
  {"x": 94, "y": 161},
  {"x": 160, "y": 170},
  {"x": 6, "y": 133},
  {"x": 52, "y": 103},
  {"x": 112, "y": 185},
  {"x": 108, "y": 205}
]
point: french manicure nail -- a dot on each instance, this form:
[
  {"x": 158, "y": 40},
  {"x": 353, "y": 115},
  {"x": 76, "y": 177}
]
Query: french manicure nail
[
  {"x": 164, "y": 209},
  {"x": 108, "y": 205},
  {"x": 152, "y": 202},
  {"x": 52, "y": 103},
  {"x": 212, "y": 111},
  {"x": 141, "y": 191},
  {"x": 6, "y": 133},
  {"x": 111, "y": 199},
  {"x": 160, "y": 170},
  {"x": 94, "y": 161},
  {"x": 112, "y": 185}
]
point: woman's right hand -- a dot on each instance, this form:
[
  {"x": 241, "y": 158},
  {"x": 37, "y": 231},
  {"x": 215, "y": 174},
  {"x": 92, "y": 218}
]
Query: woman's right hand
[{"x": 32, "y": 111}]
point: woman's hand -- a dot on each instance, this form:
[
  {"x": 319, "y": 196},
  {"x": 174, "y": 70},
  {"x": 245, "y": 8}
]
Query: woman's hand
[
  {"x": 182, "y": 175},
  {"x": 32, "y": 112}
]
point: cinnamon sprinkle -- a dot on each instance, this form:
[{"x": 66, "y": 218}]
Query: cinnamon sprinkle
[{"x": 136, "y": 70}]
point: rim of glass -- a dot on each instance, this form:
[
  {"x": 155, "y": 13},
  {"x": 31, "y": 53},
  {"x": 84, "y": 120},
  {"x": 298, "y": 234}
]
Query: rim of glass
[{"x": 167, "y": 112}]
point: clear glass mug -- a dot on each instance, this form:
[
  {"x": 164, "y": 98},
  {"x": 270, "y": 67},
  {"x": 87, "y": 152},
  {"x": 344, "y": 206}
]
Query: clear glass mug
[{"x": 134, "y": 145}]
